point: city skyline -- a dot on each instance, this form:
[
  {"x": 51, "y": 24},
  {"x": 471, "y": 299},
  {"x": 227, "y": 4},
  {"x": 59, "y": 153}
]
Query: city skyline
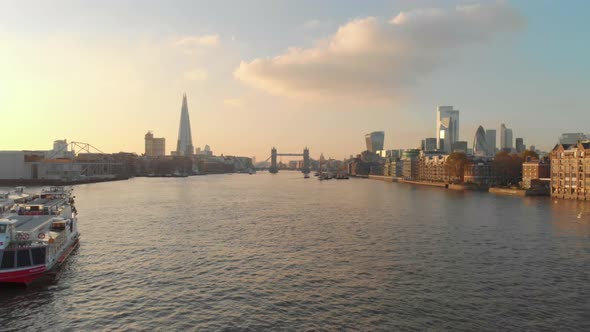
[{"x": 105, "y": 75}]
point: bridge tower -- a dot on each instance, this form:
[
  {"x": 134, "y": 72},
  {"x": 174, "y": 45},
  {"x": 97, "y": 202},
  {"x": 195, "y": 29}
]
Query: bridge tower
[
  {"x": 306, "y": 169},
  {"x": 273, "y": 161}
]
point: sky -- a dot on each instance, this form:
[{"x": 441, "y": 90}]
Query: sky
[{"x": 289, "y": 74}]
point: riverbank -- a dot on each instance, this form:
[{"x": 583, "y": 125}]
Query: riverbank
[
  {"x": 461, "y": 187},
  {"x": 45, "y": 182},
  {"x": 425, "y": 183},
  {"x": 508, "y": 191}
]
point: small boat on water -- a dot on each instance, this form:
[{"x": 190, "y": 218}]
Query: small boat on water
[
  {"x": 37, "y": 236},
  {"x": 6, "y": 202},
  {"x": 9, "y": 199}
]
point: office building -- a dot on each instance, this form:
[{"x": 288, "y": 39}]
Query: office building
[
  {"x": 506, "y": 141},
  {"x": 460, "y": 146},
  {"x": 520, "y": 147},
  {"x": 572, "y": 138},
  {"x": 154, "y": 147},
  {"x": 491, "y": 141},
  {"x": 430, "y": 144},
  {"x": 375, "y": 141},
  {"x": 480, "y": 145},
  {"x": 447, "y": 127},
  {"x": 184, "y": 146}
]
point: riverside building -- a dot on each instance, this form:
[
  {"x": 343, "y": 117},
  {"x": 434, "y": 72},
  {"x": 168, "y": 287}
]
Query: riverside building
[
  {"x": 432, "y": 168},
  {"x": 411, "y": 164},
  {"x": 479, "y": 172},
  {"x": 535, "y": 171},
  {"x": 570, "y": 171}
]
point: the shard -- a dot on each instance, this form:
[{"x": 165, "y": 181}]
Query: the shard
[{"x": 185, "y": 137}]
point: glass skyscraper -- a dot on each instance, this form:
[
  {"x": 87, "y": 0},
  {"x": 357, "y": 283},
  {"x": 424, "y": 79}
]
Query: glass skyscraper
[
  {"x": 447, "y": 127},
  {"x": 375, "y": 141}
]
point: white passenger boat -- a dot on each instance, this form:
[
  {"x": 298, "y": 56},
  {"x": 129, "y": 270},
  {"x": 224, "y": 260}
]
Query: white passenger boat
[{"x": 38, "y": 235}]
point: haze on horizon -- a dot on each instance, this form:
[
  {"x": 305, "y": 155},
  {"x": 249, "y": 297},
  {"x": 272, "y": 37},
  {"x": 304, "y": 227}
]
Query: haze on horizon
[{"x": 289, "y": 74}]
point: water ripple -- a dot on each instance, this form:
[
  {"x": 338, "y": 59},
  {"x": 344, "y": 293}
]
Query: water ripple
[{"x": 280, "y": 253}]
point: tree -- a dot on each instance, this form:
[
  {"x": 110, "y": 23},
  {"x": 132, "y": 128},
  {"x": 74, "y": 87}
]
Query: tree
[
  {"x": 530, "y": 154},
  {"x": 507, "y": 168},
  {"x": 455, "y": 166}
]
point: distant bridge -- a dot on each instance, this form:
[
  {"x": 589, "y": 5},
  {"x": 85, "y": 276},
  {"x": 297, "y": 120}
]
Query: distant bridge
[{"x": 273, "y": 159}]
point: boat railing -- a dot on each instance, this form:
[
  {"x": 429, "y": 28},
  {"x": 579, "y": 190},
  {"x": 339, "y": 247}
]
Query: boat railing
[
  {"x": 58, "y": 243},
  {"x": 26, "y": 244}
]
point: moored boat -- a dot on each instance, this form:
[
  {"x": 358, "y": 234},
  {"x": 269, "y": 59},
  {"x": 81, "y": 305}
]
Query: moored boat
[{"x": 37, "y": 236}]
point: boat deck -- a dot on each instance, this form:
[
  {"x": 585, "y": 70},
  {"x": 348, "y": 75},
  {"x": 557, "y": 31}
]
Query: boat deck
[{"x": 28, "y": 223}]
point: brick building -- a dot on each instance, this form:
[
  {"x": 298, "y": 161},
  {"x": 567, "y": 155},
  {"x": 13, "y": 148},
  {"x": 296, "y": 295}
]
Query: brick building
[
  {"x": 534, "y": 169},
  {"x": 570, "y": 171}
]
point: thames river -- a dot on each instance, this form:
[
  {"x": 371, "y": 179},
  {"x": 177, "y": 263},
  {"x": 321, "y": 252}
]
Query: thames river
[{"x": 280, "y": 252}]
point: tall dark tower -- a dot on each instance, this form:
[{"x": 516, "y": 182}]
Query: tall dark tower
[
  {"x": 273, "y": 161},
  {"x": 306, "y": 165},
  {"x": 185, "y": 138}
]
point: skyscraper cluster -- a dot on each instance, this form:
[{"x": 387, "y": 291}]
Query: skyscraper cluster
[{"x": 484, "y": 141}]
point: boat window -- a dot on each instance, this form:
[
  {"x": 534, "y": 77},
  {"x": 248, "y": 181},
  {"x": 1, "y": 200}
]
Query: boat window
[
  {"x": 7, "y": 260},
  {"x": 2, "y": 229},
  {"x": 23, "y": 258},
  {"x": 38, "y": 256}
]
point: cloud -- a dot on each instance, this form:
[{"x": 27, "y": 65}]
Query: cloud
[
  {"x": 196, "y": 74},
  {"x": 233, "y": 102},
  {"x": 192, "y": 41},
  {"x": 311, "y": 24},
  {"x": 370, "y": 58}
]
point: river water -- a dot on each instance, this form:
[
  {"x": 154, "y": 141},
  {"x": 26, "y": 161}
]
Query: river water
[{"x": 279, "y": 252}]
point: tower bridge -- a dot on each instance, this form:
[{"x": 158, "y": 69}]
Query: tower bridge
[{"x": 274, "y": 154}]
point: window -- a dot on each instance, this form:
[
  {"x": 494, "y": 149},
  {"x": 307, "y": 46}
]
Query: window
[
  {"x": 8, "y": 260},
  {"x": 38, "y": 256},
  {"x": 22, "y": 258}
]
